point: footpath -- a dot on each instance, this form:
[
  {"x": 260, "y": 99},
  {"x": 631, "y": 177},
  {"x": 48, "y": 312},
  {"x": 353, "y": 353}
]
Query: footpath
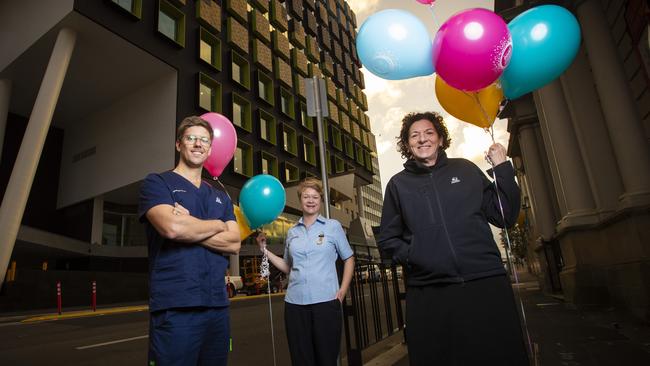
[{"x": 562, "y": 335}]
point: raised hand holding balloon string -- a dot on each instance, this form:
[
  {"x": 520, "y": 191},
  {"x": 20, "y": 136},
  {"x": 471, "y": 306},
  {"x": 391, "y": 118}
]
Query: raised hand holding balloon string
[{"x": 496, "y": 154}]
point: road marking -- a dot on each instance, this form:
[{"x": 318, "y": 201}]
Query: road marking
[{"x": 112, "y": 342}]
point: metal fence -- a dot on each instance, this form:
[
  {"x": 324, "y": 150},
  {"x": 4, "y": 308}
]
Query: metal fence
[{"x": 374, "y": 309}]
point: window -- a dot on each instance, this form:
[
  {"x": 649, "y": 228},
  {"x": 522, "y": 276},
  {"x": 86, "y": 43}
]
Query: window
[
  {"x": 265, "y": 87},
  {"x": 360, "y": 155},
  {"x": 328, "y": 162},
  {"x": 337, "y": 140},
  {"x": 240, "y": 70},
  {"x": 339, "y": 165},
  {"x": 269, "y": 164},
  {"x": 171, "y": 22},
  {"x": 267, "y": 127},
  {"x": 289, "y": 139},
  {"x": 132, "y": 6},
  {"x": 306, "y": 121},
  {"x": 209, "y": 94},
  {"x": 241, "y": 112},
  {"x": 349, "y": 146},
  {"x": 209, "y": 48},
  {"x": 308, "y": 151},
  {"x": 291, "y": 173},
  {"x": 286, "y": 103},
  {"x": 243, "y": 159}
]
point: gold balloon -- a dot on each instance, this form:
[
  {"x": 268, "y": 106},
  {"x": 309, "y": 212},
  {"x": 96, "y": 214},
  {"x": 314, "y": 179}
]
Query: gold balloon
[
  {"x": 479, "y": 108},
  {"x": 244, "y": 229}
]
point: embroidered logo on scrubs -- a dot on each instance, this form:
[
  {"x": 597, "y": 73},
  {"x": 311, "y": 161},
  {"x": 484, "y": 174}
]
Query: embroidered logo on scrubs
[
  {"x": 218, "y": 200},
  {"x": 179, "y": 191},
  {"x": 455, "y": 180},
  {"x": 321, "y": 236}
]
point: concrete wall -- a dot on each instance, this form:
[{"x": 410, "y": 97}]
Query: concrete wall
[
  {"x": 34, "y": 18},
  {"x": 132, "y": 137}
]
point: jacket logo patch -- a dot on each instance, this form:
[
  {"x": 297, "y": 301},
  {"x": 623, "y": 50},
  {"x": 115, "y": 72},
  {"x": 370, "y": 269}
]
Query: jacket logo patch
[
  {"x": 455, "y": 180},
  {"x": 178, "y": 190},
  {"x": 218, "y": 200}
]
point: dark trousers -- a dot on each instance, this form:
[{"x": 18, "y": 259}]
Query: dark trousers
[
  {"x": 475, "y": 323},
  {"x": 189, "y": 337},
  {"x": 313, "y": 333}
]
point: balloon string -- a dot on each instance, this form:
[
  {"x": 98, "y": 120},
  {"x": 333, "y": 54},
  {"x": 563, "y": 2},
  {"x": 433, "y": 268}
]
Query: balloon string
[
  {"x": 435, "y": 18},
  {"x": 222, "y": 186},
  {"x": 266, "y": 273},
  {"x": 513, "y": 271}
]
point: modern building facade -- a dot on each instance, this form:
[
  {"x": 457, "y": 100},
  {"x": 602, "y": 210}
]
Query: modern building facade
[
  {"x": 372, "y": 198},
  {"x": 101, "y": 85},
  {"x": 581, "y": 148}
]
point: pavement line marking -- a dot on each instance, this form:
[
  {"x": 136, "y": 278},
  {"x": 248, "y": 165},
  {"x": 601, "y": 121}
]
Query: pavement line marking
[
  {"x": 84, "y": 313},
  {"x": 119, "y": 310},
  {"x": 112, "y": 342}
]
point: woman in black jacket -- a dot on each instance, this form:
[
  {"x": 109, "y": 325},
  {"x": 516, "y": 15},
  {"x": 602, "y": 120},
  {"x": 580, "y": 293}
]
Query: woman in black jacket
[{"x": 460, "y": 307}]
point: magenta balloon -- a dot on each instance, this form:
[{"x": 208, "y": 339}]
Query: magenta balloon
[
  {"x": 224, "y": 143},
  {"x": 425, "y": 2},
  {"x": 472, "y": 49}
]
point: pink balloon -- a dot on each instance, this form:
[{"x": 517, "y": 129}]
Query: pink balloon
[
  {"x": 426, "y": 2},
  {"x": 472, "y": 49},
  {"x": 224, "y": 143}
]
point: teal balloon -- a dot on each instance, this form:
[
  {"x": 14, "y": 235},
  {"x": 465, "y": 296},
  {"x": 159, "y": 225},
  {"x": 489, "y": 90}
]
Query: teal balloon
[
  {"x": 545, "y": 40},
  {"x": 262, "y": 200},
  {"x": 394, "y": 45}
]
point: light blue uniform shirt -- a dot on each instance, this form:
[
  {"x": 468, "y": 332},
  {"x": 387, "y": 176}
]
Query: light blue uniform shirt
[{"x": 311, "y": 255}]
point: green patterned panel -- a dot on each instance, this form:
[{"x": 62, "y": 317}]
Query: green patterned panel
[
  {"x": 299, "y": 62},
  {"x": 373, "y": 142},
  {"x": 340, "y": 99},
  {"x": 356, "y": 131},
  {"x": 345, "y": 121},
  {"x": 261, "y": 5},
  {"x": 331, "y": 89},
  {"x": 278, "y": 16},
  {"x": 333, "y": 112},
  {"x": 299, "y": 86},
  {"x": 314, "y": 70},
  {"x": 260, "y": 26},
  {"x": 262, "y": 55},
  {"x": 282, "y": 71},
  {"x": 297, "y": 34},
  {"x": 237, "y": 34},
  {"x": 281, "y": 45},
  {"x": 238, "y": 9},
  {"x": 209, "y": 14},
  {"x": 331, "y": 6},
  {"x": 327, "y": 65},
  {"x": 311, "y": 49}
]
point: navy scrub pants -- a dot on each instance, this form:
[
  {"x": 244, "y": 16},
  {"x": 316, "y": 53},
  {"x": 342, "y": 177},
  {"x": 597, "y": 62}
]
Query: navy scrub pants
[
  {"x": 189, "y": 337},
  {"x": 314, "y": 332}
]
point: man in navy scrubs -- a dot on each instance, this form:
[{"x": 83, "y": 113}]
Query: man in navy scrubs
[{"x": 190, "y": 227}]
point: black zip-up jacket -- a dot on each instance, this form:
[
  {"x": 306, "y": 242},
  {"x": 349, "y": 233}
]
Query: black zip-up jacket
[{"x": 435, "y": 220}]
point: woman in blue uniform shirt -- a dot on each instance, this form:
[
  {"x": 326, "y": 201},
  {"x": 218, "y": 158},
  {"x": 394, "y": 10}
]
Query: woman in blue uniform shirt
[{"x": 312, "y": 312}]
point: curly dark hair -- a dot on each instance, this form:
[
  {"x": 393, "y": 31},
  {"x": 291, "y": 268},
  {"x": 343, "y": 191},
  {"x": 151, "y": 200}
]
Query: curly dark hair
[{"x": 409, "y": 119}]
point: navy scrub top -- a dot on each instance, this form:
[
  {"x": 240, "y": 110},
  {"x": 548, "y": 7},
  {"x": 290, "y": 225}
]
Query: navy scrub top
[{"x": 184, "y": 274}]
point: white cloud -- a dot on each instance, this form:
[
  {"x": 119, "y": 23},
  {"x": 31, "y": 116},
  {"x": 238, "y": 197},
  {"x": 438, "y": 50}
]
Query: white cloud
[
  {"x": 363, "y": 8},
  {"x": 383, "y": 146}
]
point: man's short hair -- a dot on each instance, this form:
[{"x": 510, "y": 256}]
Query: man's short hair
[{"x": 193, "y": 121}]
